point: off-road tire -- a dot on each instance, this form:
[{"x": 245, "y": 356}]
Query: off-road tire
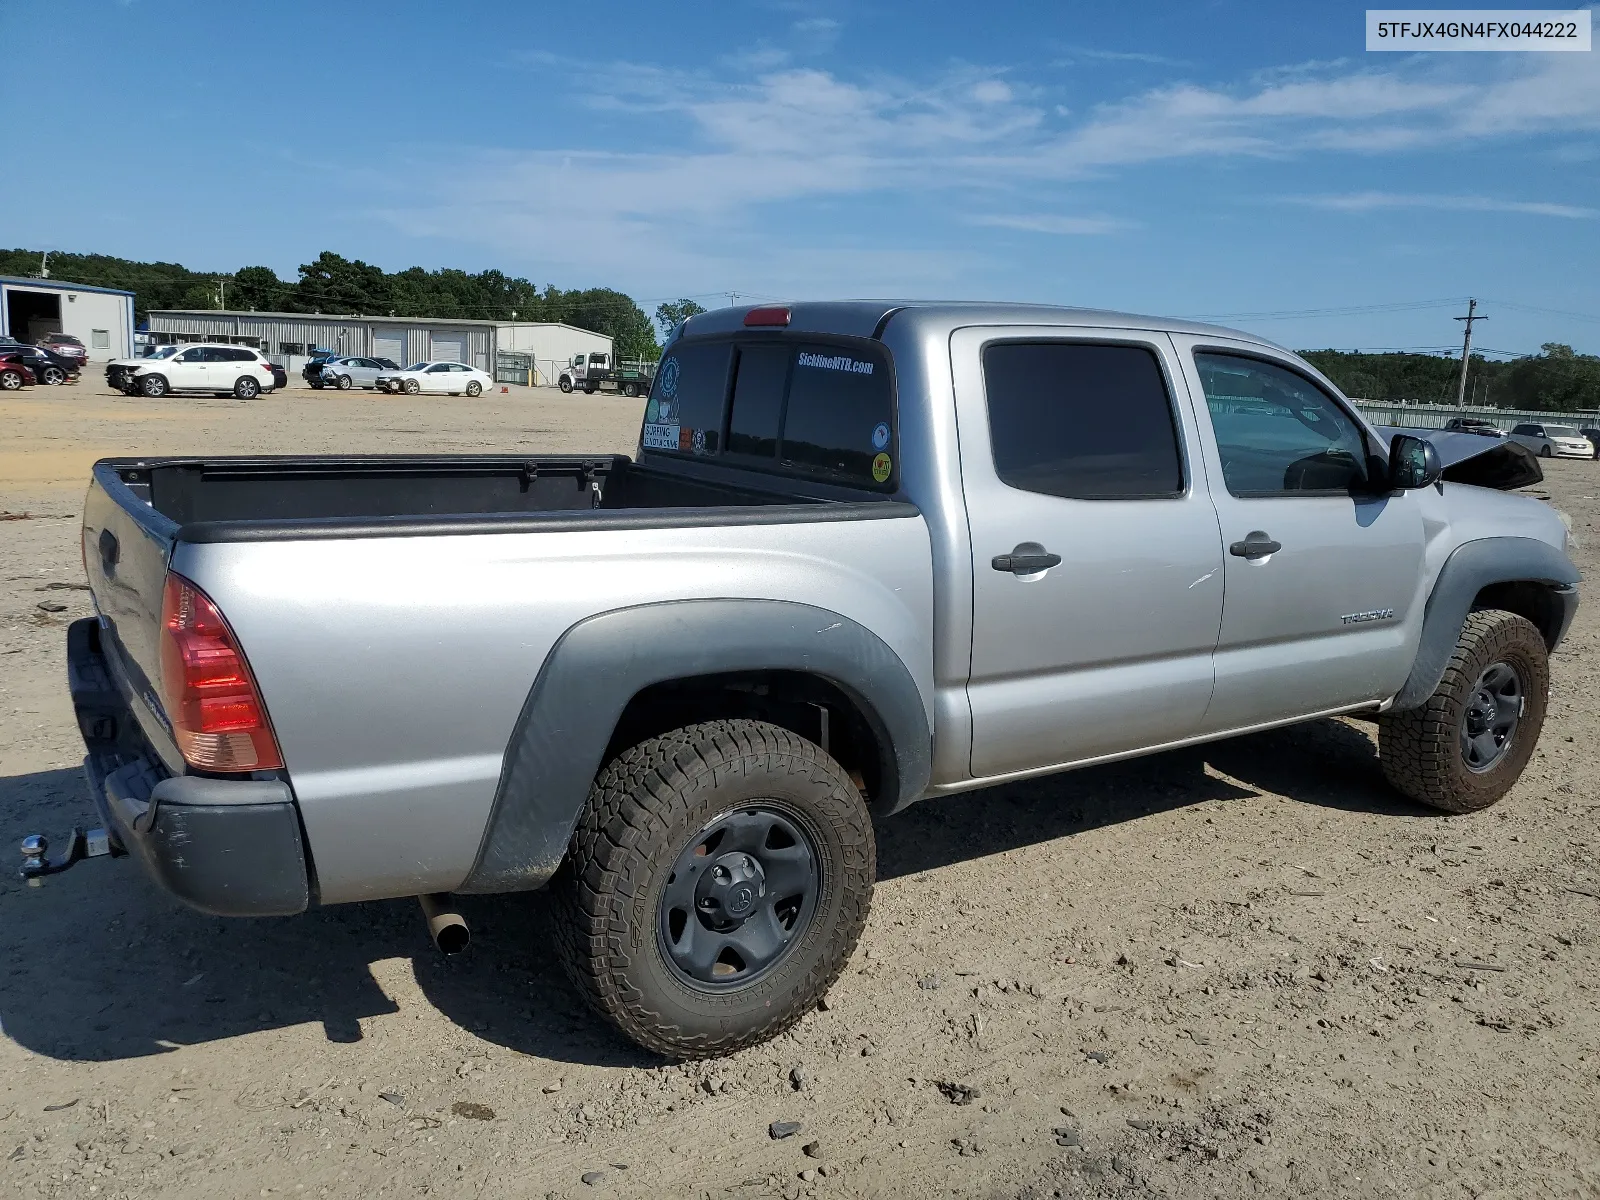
[
  {"x": 246, "y": 388},
  {"x": 1420, "y": 749},
  {"x": 474, "y": 388},
  {"x": 153, "y": 386},
  {"x": 643, "y": 810}
]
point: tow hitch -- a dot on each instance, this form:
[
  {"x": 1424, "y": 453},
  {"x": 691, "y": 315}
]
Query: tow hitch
[{"x": 96, "y": 843}]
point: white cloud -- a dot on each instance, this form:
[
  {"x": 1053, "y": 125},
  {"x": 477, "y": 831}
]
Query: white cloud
[
  {"x": 1051, "y": 223},
  {"x": 737, "y": 153},
  {"x": 1368, "y": 201}
]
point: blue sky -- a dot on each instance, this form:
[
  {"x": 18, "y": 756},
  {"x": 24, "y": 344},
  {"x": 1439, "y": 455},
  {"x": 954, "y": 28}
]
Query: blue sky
[{"x": 1224, "y": 159}]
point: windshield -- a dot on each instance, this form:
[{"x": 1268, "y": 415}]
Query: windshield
[{"x": 1560, "y": 431}]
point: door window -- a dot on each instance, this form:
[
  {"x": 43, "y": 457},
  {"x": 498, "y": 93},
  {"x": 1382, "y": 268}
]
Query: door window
[
  {"x": 1081, "y": 421},
  {"x": 1277, "y": 432},
  {"x": 439, "y": 369}
]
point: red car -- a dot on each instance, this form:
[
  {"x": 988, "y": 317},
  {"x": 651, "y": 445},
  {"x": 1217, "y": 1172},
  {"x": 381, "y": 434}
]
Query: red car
[
  {"x": 67, "y": 345},
  {"x": 14, "y": 373}
]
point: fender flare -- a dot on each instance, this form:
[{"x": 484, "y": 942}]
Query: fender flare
[
  {"x": 1471, "y": 567},
  {"x": 603, "y": 661}
]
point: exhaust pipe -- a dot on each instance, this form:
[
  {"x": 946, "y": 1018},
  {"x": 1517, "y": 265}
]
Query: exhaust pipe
[{"x": 446, "y": 926}]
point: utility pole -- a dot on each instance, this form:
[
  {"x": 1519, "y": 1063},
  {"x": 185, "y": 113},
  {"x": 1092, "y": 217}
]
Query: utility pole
[
  {"x": 1466, "y": 349},
  {"x": 222, "y": 293},
  {"x": 44, "y": 265}
]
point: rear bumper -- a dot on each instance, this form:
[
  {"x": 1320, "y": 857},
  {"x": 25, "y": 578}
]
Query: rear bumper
[{"x": 229, "y": 847}]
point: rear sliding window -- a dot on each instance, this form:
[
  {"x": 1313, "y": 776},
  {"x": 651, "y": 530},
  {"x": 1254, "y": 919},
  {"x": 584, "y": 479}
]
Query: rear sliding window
[{"x": 801, "y": 407}]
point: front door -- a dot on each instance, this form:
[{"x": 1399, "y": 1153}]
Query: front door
[
  {"x": 190, "y": 369},
  {"x": 1323, "y": 569},
  {"x": 1096, "y": 561}
]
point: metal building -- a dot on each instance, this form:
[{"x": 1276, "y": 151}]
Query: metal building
[
  {"x": 289, "y": 338},
  {"x": 100, "y": 318}
]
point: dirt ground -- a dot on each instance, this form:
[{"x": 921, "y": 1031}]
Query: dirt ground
[{"x": 1243, "y": 970}]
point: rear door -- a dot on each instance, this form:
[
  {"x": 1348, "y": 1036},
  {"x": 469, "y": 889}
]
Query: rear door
[
  {"x": 1323, "y": 570},
  {"x": 1075, "y": 452}
]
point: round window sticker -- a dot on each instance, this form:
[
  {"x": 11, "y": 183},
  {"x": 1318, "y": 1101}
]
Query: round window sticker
[
  {"x": 651, "y": 412},
  {"x": 881, "y": 466},
  {"x": 669, "y": 378},
  {"x": 880, "y": 436}
]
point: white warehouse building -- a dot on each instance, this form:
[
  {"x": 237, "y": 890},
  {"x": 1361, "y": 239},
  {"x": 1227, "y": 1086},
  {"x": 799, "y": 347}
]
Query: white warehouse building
[
  {"x": 100, "y": 318},
  {"x": 289, "y": 337}
]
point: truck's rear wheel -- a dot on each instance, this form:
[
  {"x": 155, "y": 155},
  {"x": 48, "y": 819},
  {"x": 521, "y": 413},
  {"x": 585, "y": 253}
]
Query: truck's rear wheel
[
  {"x": 630, "y": 390},
  {"x": 1468, "y": 744},
  {"x": 718, "y": 880}
]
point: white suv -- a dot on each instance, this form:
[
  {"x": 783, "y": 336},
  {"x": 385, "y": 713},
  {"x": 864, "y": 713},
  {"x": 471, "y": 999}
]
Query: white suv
[{"x": 202, "y": 367}]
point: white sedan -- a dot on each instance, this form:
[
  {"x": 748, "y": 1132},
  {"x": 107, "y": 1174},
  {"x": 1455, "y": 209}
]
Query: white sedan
[{"x": 435, "y": 378}]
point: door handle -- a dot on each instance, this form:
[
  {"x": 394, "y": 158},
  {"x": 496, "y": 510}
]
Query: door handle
[
  {"x": 1256, "y": 544},
  {"x": 1027, "y": 558}
]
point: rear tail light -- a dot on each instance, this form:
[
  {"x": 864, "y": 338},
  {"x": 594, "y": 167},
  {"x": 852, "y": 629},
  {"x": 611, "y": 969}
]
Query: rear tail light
[
  {"x": 767, "y": 316},
  {"x": 218, "y": 720}
]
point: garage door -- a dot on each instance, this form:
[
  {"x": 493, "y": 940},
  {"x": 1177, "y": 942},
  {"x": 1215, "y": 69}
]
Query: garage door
[
  {"x": 391, "y": 346},
  {"x": 449, "y": 347}
]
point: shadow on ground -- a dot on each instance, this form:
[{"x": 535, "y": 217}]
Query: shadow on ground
[{"x": 101, "y": 965}]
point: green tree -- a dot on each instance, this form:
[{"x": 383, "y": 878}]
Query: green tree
[
  {"x": 335, "y": 284},
  {"x": 257, "y": 289},
  {"x": 672, "y": 313}
]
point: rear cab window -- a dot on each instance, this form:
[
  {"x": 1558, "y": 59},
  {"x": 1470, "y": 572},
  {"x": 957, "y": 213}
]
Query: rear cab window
[{"x": 822, "y": 408}]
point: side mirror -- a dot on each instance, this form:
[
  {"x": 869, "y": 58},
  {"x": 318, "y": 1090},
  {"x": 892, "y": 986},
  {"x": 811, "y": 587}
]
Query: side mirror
[{"x": 1413, "y": 463}]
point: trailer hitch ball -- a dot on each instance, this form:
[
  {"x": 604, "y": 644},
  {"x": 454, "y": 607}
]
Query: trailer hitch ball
[{"x": 36, "y": 863}]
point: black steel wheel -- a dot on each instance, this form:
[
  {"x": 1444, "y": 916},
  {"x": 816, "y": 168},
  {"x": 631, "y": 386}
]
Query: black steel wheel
[
  {"x": 716, "y": 885},
  {"x": 738, "y": 896},
  {"x": 1468, "y": 743},
  {"x": 1491, "y": 717}
]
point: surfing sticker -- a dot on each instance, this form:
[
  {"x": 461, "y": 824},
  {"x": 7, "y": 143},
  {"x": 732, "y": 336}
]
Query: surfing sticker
[{"x": 659, "y": 437}]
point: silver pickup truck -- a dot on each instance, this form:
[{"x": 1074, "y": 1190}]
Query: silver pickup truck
[{"x": 868, "y": 553}]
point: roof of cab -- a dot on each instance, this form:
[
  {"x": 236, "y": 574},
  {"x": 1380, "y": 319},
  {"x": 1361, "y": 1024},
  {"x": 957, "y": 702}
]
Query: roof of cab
[{"x": 867, "y": 318}]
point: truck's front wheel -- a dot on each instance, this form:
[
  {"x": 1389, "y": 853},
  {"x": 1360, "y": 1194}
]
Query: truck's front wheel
[
  {"x": 718, "y": 880},
  {"x": 1467, "y": 745}
]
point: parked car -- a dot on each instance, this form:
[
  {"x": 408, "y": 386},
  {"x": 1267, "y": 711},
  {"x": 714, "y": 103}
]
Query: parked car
[
  {"x": 67, "y": 345},
  {"x": 222, "y": 370},
  {"x": 1553, "y": 441},
  {"x": 280, "y": 377},
  {"x": 1592, "y": 432},
  {"x": 868, "y": 553},
  {"x": 312, "y": 371},
  {"x": 346, "y": 373},
  {"x": 1474, "y": 425},
  {"x": 117, "y": 369},
  {"x": 449, "y": 378},
  {"x": 14, "y": 371},
  {"x": 47, "y": 366}
]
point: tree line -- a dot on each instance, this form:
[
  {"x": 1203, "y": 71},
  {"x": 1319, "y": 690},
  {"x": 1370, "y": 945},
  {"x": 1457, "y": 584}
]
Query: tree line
[
  {"x": 1554, "y": 380},
  {"x": 337, "y": 286}
]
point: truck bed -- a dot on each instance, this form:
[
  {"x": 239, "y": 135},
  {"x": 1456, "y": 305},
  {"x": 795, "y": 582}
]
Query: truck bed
[{"x": 229, "y": 499}]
